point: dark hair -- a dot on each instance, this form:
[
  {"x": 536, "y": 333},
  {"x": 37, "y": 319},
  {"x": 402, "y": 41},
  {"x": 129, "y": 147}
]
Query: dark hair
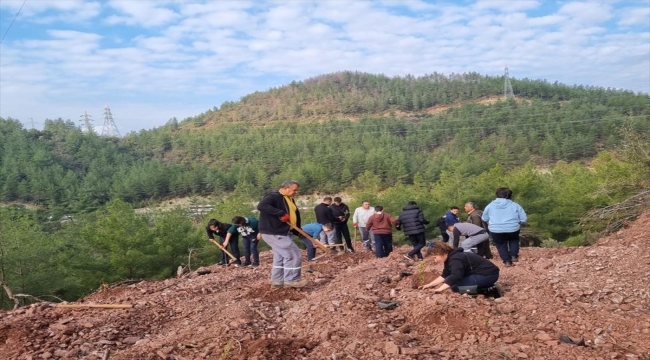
[
  {"x": 214, "y": 222},
  {"x": 454, "y": 208},
  {"x": 328, "y": 225},
  {"x": 379, "y": 208},
  {"x": 440, "y": 248},
  {"x": 337, "y": 199},
  {"x": 239, "y": 220},
  {"x": 327, "y": 198},
  {"x": 504, "y": 193},
  {"x": 411, "y": 203}
]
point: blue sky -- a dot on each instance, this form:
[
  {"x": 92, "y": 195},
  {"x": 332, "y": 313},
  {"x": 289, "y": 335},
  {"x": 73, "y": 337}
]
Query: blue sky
[{"x": 154, "y": 60}]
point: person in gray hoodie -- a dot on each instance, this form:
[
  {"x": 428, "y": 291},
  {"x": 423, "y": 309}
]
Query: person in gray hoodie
[{"x": 504, "y": 218}]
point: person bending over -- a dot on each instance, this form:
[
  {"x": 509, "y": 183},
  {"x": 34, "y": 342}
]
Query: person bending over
[{"x": 462, "y": 269}]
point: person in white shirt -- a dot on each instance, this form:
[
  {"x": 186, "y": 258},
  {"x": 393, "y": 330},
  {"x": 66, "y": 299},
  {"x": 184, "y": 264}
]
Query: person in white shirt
[{"x": 359, "y": 218}]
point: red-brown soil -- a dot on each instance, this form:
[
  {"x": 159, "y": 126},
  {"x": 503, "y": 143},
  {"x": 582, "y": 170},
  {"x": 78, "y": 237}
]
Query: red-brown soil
[{"x": 599, "y": 294}]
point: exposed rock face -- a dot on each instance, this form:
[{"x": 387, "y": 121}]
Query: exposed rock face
[{"x": 599, "y": 294}]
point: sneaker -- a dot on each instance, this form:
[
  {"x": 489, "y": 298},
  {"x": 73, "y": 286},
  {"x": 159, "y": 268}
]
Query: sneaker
[
  {"x": 515, "y": 258},
  {"x": 238, "y": 265},
  {"x": 311, "y": 260},
  {"x": 408, "y": 258},
  {"x": 253, "y": 265},
  {"x": 296, "y": 284},
  {"x": 351, "y": 251},
  {"x": 509, "y": 264},
  {"x": 277, "y": 284}
]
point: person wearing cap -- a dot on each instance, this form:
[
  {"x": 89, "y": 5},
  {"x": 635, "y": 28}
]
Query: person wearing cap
[{"x": 278, "y": 212}]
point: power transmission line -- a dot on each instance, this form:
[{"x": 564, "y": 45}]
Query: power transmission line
[{"x": 12, "y": 21}]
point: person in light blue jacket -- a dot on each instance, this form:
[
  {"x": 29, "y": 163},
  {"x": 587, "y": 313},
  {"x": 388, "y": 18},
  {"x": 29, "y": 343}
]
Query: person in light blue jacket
[
  {"x": 313, "y": 229},
  {"x": 504, "y": 218}
]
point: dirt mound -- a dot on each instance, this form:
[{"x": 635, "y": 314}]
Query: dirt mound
[{"x": 596, "y": 296}]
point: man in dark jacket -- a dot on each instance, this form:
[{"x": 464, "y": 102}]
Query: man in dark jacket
[
  {"x": 215, "y": 227},
  {"x": 412, "y": 221},
  {"x": 277, "y": 211},
  {"x": 324, "y": 215},
  {"x": 342, "y": 213},
  {"x": 474, "y": 217}
]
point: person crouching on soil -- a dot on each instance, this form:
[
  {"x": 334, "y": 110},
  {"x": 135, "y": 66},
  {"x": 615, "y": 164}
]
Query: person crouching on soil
[
  {"x": 221, "y": 230},
  {"x": 381, "y": 225},
  {"x": 462, "y": 269},
  {"x": 278, "y": 210}
]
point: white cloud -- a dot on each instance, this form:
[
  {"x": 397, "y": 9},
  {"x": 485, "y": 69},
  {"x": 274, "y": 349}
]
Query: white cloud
[
  {"x": 181, "y": 58},
  {"x": 635, "y": 16}
]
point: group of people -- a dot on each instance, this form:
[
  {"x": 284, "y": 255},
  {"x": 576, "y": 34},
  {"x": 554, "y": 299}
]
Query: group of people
[{"x": 465, "y": 263}]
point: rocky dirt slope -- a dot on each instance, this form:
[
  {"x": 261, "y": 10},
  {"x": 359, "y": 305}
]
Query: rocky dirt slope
[{"x": 598, "y": 294}]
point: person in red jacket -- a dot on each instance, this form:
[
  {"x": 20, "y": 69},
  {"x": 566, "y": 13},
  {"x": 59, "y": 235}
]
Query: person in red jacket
[{"x": 381, "y": 225}]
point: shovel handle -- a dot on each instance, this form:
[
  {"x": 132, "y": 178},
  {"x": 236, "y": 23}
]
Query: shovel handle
[
  {"x": 223, "y": 249},
  {"x": 313, "y": 241}
]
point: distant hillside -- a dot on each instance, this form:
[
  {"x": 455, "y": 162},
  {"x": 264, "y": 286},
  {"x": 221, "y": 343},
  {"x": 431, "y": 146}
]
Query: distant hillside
[{"x": 354, "y": 94}]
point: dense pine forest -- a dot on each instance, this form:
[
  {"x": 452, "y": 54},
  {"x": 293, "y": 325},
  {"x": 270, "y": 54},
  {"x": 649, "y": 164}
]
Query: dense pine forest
[{"x": 439, "y": 140}]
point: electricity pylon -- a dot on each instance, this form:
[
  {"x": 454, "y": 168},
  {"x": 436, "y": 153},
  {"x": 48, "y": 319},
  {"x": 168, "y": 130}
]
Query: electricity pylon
[
  {"x": 109, "y": 129},
  {"x": 87, "y": 128},
  {"x": 507, "y": 87}
]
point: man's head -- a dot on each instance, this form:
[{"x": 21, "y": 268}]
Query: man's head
[
  {"x": 327, "y": 227},
  {"x": 289, "y": 188},
  {"x": 365, "y": 204},
  {"x": 327, "y": 200},
  {"x": 454, "y": 210},
  {"x": 504, "y": 193},
  {"x": 469, "y": 207},
  {"x": 239, "y": 220},
  {"x": 379, "y": 209},
  {"x": 337, "y": 200}
]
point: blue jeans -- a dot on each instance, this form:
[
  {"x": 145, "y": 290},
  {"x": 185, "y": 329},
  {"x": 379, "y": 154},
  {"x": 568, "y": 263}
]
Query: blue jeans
[
  {"x": 481, "y": 280},
  {"x": 383, "y": 244},
  {"x": 250, "y": 248},
  {"x": 311, "y": 251},
  {"x": 507, "y": 244}
]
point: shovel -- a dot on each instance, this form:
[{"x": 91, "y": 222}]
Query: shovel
[
  {"x": 223, "y": 249},
  {"x": 313, "y": 241}
]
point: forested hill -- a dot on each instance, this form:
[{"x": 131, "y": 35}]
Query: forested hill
[
  {"x": 307, "y": 134},
  {"x": 354, "y": 94}
]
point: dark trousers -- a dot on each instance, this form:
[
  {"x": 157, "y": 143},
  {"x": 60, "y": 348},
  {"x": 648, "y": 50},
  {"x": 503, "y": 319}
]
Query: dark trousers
[
  {"x": 445, "y": 236},
  {"x": 383, "y": 244},
  {"x": 418, "y": 241},
  {"x": 224, "y": 257},
  {"x": 250, "y": 248},
  {"x": 342, "y": 229},
  {"x": 507, "y": 244},
  {"x": 483, "y": 281},
  {"x": 311, "y": 250},
  {"x": 483, "y": 249},
  {"x": 234, "y": 250}
]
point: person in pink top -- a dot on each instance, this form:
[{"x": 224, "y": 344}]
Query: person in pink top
[{"x": 381, "y": 224}]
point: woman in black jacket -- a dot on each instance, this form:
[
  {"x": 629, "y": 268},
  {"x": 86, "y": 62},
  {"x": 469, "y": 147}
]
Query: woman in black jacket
[
  {"x": 412, "y": 222},
  {"x": 462, "y": 269}
]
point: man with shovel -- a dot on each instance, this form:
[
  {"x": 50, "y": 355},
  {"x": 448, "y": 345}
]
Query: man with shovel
[{"x": 278, "y": 212}]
